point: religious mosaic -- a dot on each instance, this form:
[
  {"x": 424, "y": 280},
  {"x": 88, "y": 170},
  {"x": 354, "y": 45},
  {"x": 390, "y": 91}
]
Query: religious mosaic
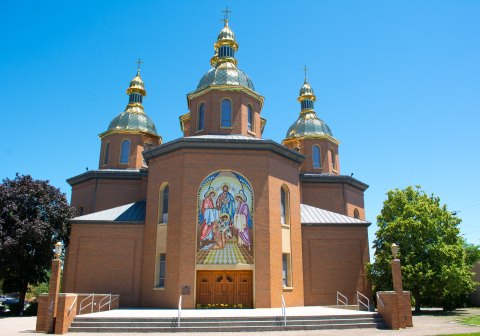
[{"x": 225, "y": 219}]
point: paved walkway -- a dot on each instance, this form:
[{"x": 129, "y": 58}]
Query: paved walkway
[{"x": 429, "y": 323}]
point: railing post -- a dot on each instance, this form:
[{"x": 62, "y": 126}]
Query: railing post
[
  {"x": 110, "y": 302},
  {"x": 93, "y": 301},
  {"x": 284, "y": 312},
  {"x": 179, "y": 311}
]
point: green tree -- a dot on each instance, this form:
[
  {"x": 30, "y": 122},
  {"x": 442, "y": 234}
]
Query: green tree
[
  {"x": 432, "y": 253},
  {"x": 473, "y": 253},
  {"x": 33, "y": 216}
]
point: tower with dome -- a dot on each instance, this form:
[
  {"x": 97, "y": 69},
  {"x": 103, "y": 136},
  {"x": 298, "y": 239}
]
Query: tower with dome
[{"x": 220, "y": 215}]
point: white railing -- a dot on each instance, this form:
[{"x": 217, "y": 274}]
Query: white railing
[
  {"x": 361, "y": 297},
  {"x": 341, "y": 299},
  {"x": 73, "y": 304},
  {"x": 91, "y": 303},
  {"x": 179, "y": 311},
  {"x": 284, "y": 311},
  {"x": 379, "y": 299}
]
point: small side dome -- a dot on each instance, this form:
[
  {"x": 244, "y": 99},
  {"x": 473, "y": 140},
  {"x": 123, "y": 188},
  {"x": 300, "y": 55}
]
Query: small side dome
[
  {"x": 137, "y": 85},
  {"x": 306, "y": 90},
  {"x": 225, "y": 74},
  {"x": 226, "y": 34},
  {"x": 133, "y": 119},
  {"x": 308, "y": 125}
]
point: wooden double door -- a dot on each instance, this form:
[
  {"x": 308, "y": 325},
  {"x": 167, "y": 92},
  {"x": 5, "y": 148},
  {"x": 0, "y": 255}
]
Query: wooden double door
[{"x": 232, "y": 288}]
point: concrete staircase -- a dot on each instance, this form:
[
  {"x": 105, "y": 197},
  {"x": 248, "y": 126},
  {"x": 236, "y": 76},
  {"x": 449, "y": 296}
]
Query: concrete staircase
[{"x": 223, "y": 324}]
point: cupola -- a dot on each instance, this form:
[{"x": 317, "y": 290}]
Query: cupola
[
  {"x": 130, "y": 132},
  {"x": 224, "y": 101},
  {"x": 312, "y": 137}
]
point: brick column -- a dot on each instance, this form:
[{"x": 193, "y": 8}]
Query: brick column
[
  {"x": 54, "y": 289},
  {"x": 398, "y": 288}
]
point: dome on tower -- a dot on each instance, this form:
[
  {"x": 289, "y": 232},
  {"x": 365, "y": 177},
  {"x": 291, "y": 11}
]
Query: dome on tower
[
  {"x": 225, "y": 74},
  {"x": 134, "y": 117},
  {"x": 308, "y": 123},
  {"x": 226, "y": 34}
]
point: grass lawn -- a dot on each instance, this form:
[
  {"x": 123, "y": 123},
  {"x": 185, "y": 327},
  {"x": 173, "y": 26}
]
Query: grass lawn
[
  {"x": 474, "y": 334},
  {"x": 473, "y": 320}
]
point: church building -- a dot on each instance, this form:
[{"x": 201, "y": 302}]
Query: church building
[{"x": 219, "y": 216}]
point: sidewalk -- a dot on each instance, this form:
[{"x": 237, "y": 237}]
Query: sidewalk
[{"x": 429, "y": 323}]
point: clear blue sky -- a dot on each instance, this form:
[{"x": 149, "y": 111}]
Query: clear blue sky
[{"x": 397, "y": 81}]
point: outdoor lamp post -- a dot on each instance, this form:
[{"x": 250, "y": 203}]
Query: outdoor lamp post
[
  {"x": 394, "y": 249},
  {"x": 54, "y": 288},
  {"x": 58, "y": 250}
]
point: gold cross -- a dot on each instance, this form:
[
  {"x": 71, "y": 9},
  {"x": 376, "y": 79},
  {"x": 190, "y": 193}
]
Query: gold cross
[
  {"x": 139, "y": 62},
  {"x": 225, "y": 17},
  {"x": 305, "y": 69}
]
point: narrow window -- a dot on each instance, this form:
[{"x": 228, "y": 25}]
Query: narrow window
[
  {"x": 284, "y": 204},
  {"x": 356, "y": 213},
  {"x": 226, "y": 113},
  {"x": 165, "y": 204},
  {"x": 316, "y": 157},
  {"x": 80, "y": 210},
  {"x": 125, "y": 151},
  {"x": 161, "y": 270},
  {"x": 286, "y": 270},
  {"x": 334, "y": 166},
  {"x": 105, "y": 153},
  {"x": 201, "y": 117},
  {"x": 250, "y": 118}
]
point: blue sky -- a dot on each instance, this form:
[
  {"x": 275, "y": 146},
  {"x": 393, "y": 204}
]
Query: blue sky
[{"x": 397, "y": 82}]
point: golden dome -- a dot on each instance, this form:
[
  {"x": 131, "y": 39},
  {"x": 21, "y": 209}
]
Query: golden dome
[{"x": 137, "y": 85}]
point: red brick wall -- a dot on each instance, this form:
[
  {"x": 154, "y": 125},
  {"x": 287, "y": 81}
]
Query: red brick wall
[
  {"x": 334, "y": 260},
  {"x": 184, "y": 170},
  {"x": 101, "y": 194},
  {"x": 306, "y": 148},
  {"x": 105, "y": 259}
]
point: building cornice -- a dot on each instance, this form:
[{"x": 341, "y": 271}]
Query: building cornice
[
  {"x": 337, "y": 225},
  {"x": 223, "y": 143},
  {"x": 108, "y": 174},
  {"x": 322, "y": 178},
  {"x": 233, "y": 88}
]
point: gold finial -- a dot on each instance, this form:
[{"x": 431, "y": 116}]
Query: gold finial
[
  {"x": 305, "y": 69},
  {"x": 139, "y": 62},
  {"x": 225, "y": 16}
]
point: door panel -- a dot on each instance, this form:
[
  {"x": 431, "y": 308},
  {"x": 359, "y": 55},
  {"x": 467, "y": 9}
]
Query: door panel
[{"x": 225, "y": 287}]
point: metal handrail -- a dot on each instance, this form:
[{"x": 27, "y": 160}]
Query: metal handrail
[
  {"x": 359, "y": 302},
  {"x": 284, "y": 311},
  {"x": 100, "y": 305},
  {"x": 91, "y": 303},
  {"x": 71, "y": 306},
  {"x": 379, "y": 299},
  {"x": 179, "y": 311},
  {"x": 340, "y": 296}
]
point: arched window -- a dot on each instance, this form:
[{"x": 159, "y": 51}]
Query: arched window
[
  {"x": 105, "y": 153},
  {"x": 201, "y": 117},
  {"x": 250, "y": 118},
  {"x": 284, "y": 206},
  {"x": 125, "y": 151},
  {"x": 356, "y": 213},
  {"x": 226, "y": 113},
  {"x": 163, "y": 205},
  {"x": 334, "y": 160},
  {"x": 317, "y": 163}
]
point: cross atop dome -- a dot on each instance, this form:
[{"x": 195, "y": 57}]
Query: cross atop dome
[{"x": 225, "y": 16}]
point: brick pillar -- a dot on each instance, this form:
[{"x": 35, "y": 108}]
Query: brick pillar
[
  {"x": 398, "y": 288},
  {"x": 54, "y": 289}
]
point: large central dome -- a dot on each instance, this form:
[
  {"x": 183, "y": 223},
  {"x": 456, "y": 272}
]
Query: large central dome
[{"x": 225, "y": 74}]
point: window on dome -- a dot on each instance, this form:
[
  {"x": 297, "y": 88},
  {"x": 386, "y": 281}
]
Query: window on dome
[
  {"x": 250, "y": 118},
  {"x": 226, "y": 120},
  {"x": 163, "y": 205},
  {"x": 317, "y": 163},
  {"x": 105, "y": 153},
  {"x": 284, "y": 205},
  {"x": 125, "y": 151},
  {"x": 201, "y": 117}
]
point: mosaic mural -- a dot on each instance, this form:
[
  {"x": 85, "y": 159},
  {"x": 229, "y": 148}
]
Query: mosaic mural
[{"x": 225, "y": 219}]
